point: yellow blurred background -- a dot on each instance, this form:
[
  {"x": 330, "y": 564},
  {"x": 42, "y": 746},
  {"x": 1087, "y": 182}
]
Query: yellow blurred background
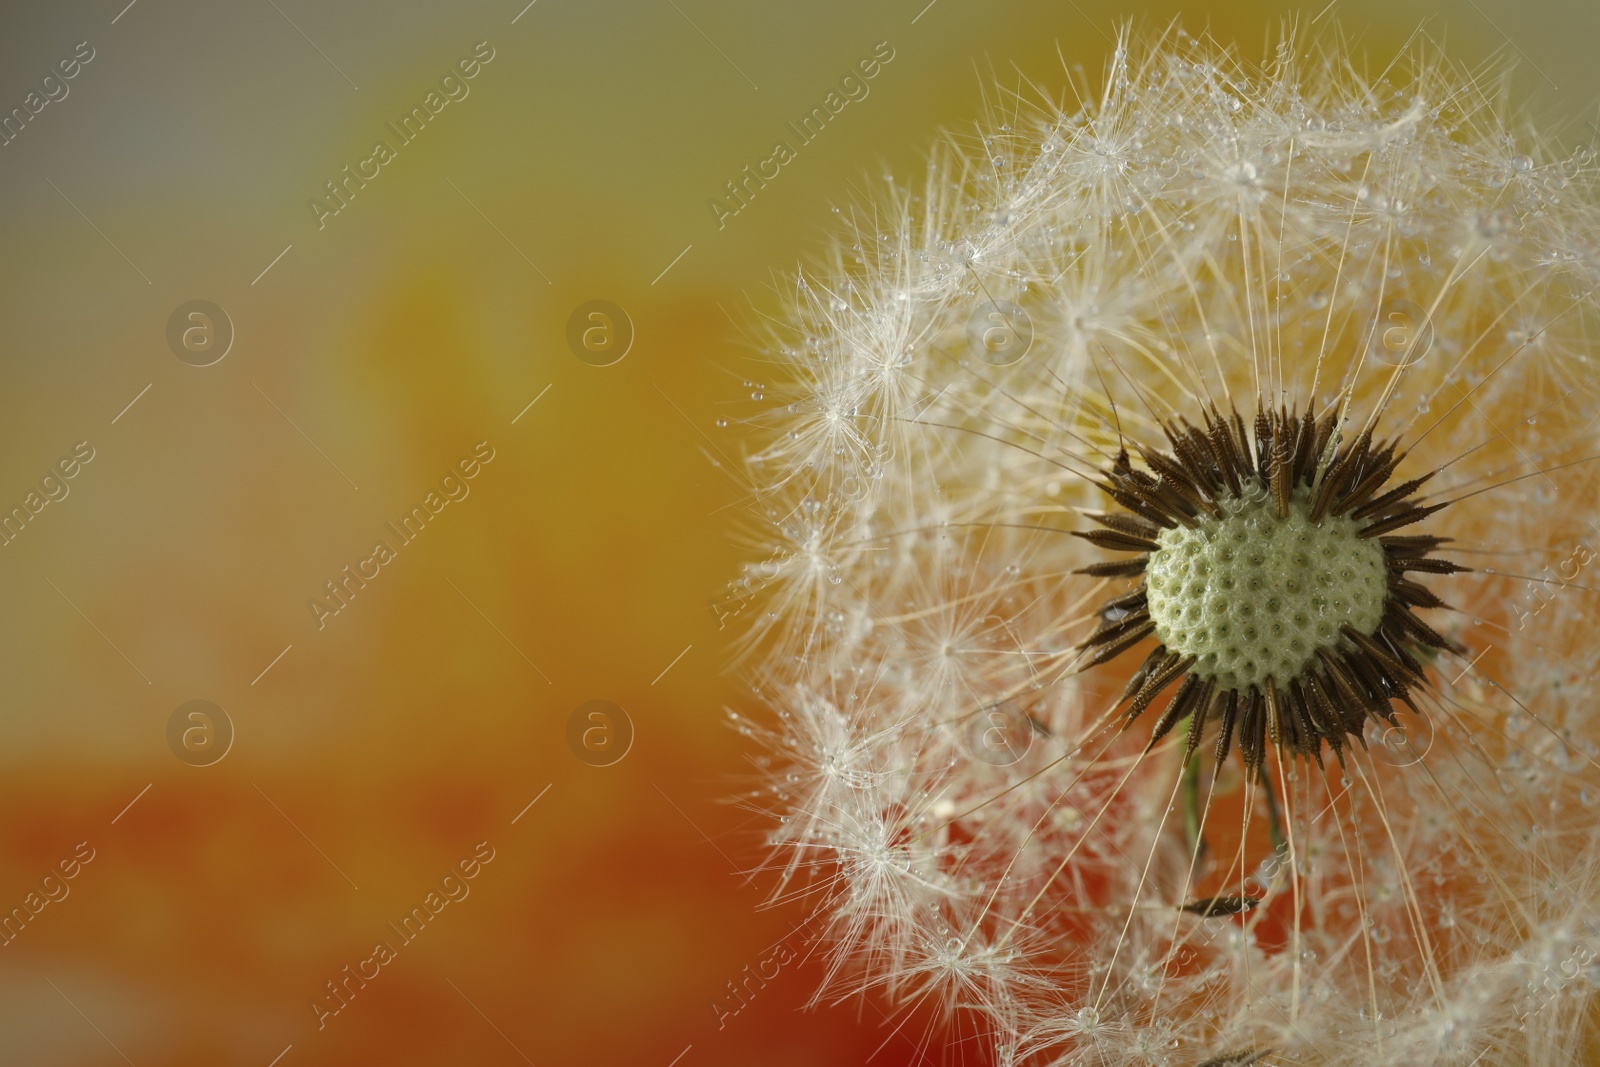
[{"x": 375, "y": 749}]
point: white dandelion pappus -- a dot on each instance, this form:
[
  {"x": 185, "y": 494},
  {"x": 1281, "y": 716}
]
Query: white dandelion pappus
[{"x": 1416, "y": 883}]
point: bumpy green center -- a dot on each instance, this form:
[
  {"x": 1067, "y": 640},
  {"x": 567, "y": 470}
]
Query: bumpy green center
[{"x": 1251, "y": 596}]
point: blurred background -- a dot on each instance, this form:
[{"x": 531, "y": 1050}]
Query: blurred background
[{"x": 361, "y": 332}]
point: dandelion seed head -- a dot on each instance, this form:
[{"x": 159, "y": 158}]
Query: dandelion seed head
[{"x": 1406, "y": 869}]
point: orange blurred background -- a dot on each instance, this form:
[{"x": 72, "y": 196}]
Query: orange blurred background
[{"x": 373, "y": 349}]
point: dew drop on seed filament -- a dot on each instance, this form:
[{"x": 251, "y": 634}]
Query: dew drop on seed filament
[{"x": 722, "y": 424}]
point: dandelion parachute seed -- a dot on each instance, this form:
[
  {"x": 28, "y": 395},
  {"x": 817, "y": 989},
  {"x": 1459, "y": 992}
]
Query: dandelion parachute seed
[
  {"x": 1304, "y": 358},
  {"x": 1211, "y": 906}
]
